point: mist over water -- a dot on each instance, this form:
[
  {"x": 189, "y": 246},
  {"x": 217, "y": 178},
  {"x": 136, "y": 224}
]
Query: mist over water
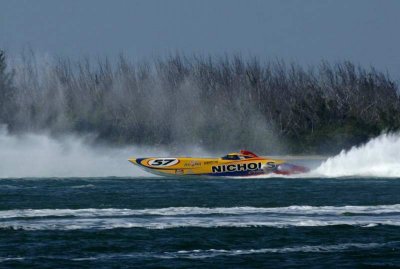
[
  {"x": 39, "y": 155},
  {"x": 42, "y": 155}
]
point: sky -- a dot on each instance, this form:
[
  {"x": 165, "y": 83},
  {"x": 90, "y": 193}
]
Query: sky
[{"x": 363, "y": 31}]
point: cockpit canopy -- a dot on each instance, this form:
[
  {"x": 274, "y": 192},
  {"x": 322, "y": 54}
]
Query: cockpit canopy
[
  {"x": 238, "y": 156},
  {"x": 231, "y": 156}
]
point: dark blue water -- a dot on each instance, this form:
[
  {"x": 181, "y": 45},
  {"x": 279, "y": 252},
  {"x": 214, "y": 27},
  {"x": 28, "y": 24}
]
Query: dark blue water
[{"x": 189, "y": 223}]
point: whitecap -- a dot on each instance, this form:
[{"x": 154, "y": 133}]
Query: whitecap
[{"x": 184, "y": 211}]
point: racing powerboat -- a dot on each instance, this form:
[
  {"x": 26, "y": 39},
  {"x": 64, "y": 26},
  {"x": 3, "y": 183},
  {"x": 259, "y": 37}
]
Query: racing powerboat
[{"x": 244, "y": 163}]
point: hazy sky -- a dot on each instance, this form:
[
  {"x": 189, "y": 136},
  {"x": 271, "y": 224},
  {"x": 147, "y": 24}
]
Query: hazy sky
[{"x": 364, "y": 31}]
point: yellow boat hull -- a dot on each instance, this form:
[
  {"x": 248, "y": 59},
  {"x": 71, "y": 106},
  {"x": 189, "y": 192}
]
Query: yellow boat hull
[
  {"x": 246, "y": 164},
  {"x": 205, "y": 166}
]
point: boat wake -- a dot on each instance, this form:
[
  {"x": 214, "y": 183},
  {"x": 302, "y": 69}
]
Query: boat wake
[
  {"x": 182, "y": 211},
  {"x": 177, "y": 217},
  {"x": 380, "y": 157}
]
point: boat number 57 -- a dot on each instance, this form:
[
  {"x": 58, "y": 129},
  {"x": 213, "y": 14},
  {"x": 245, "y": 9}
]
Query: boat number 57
[{"x": 163, "y": 162}]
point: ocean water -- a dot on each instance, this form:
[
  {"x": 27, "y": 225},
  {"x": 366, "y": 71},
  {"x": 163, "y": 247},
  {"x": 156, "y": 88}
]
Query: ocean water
[{"x": 149, "y": 222}]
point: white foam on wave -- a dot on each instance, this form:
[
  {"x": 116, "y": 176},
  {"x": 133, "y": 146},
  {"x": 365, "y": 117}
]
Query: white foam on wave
[
  {"x": 380, "y": 157},
  {"x": 112, "y": 219},
  {"x": 6, "y": 259},
  {"x": 182, "y": 211},
  {"x": 85, "y": 186},
  {"x": 211, "y": 253}
]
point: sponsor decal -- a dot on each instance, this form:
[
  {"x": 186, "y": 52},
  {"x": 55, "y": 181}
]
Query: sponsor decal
[
  {"x": 163, "y": 162},
  {"x": 195, "y": 163},
  {"x": 210, "y": 162},
  {"x": 236, "y": 167},
  {"x": 179, "y": 171}
]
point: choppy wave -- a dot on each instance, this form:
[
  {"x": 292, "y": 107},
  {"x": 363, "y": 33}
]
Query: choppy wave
[
  {"x": 177, "y": 211},
  {"x": 6, "y": 259},
  {"x": 176, "y": 217},
  {"x": 194, "y": 222},
  {"x": 202, "y": 254},
  {"x": 211, "y": 253}
]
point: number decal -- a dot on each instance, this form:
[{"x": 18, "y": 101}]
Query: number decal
[{"x": 163, "y": 162}]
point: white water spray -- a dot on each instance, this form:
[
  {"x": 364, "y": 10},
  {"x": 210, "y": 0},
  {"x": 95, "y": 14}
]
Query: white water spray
[
  {"x": 380, "y": 157},
  {"x": 39, "y": 155}
]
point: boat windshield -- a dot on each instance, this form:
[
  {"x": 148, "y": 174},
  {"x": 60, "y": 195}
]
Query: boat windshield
[{"x": 230, "y": 157}]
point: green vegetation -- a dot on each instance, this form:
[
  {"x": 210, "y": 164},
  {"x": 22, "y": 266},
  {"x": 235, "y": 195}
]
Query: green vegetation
[
  {"x": 222, "y": 103},
  {"x": 6, "y": 90}
]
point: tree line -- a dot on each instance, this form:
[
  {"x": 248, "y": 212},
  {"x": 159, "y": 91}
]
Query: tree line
[{"x": 217, "y": 103}]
